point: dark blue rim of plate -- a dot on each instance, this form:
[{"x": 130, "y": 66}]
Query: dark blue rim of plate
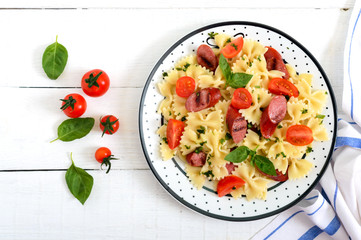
[{"x": 180, "y": 199}]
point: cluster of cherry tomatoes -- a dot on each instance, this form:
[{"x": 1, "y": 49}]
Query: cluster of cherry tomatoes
[{"x": 94, "y": 83}]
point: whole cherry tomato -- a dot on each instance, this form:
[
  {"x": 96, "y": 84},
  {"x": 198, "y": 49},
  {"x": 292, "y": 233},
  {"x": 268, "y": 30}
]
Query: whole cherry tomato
[
  {"x": 103, "y": 155},
  {"x": 74, "y": 105},
  {"x": 95, "y": 83},
  {"x": 109, "y": 124}
]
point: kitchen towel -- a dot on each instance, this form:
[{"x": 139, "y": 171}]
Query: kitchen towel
[{"x": 333, "y": 209}]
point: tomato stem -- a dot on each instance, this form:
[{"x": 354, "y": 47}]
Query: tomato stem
[
  {"x": 107, "y": 163},
  {"x": 108, "y": 126},
  {"x": 92, "y": 81}
]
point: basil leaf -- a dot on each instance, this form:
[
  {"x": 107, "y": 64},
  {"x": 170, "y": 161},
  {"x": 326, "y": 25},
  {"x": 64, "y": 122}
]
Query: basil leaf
[
  {"x": 265, "y": 165},
  {"x": 74, "y": 128},
  {"x": 239, "y": 80},
  {"x": 80, "y": 183},
  {"x": 234, "y": 80},
  {"x": 226, "y": 69},
  {"x": 238, "y": 155},
  {"x": 54, "y": 59}
]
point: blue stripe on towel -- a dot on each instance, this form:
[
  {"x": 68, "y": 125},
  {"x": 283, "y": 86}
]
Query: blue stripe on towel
[
  {"x": 348, "y": 141},
  {"x": 310, "y": 214},
  {"x": 284, "y": 222},
  {"x": 333, "y": 227},
  {"x": 312, "y": 233},
  {"x": 349, "y": 56},
  {"x": 334, "y": 197}
]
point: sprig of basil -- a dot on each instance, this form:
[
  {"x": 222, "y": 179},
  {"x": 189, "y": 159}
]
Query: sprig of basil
[
  {"x": 80, "y": 183},
  {"x": 264, "y": 164},
  {"x": 54, "y": 59},
  {"x": 74, "y": 128},
  {"x": 241, "y": 153},
  {"x": 234, "y": 80},
  {"x": 238, "y": 155}
]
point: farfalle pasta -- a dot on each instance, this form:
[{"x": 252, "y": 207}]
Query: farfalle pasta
[{"x": 204, "y": 135}]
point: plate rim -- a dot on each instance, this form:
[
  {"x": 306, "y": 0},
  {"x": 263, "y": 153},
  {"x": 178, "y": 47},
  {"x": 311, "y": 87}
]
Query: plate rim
[{"x": 161, "y": 181}]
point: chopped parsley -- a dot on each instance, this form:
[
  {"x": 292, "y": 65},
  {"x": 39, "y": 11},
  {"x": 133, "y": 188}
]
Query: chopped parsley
[
  {"x": 212, "y": 35},
  {"x": 309, "y": 149},
  {"x": 288, "y": 48},
  {"x": 201, "y": 130},
  {"x": 202, "y": 143},
  {"x": 235, "y": 46},
  {"x": 165, "y": 74},
  {"x": 304, "y": 111},
  {"x": 277, "y": 139},
  {"x": 228, "y": 136},
  {"x": 283, "y": 154},
  {"x": 326, "y": 93},
  {"x": 170, "y": 113},
  {"x": 228, "y": 40},
  {"x": 259, "y": 58},
  {"x": 178, "y": 114},
  {"x": 209, "y": 159},
  {"x": 198, "y": 149},
  {"x": 187, "y": 147},
  {"x": 250, "y": 64},
  {"x": 209, "y": 173},
  {"x": 165, "y": 140},
  {"x": 267, "y": 139},
  {"x": 287, "y": 97},
  {"x": 279, "y": 126},
  {"x": 243, "y": 58},
  {"x": 320, "y": 116},
  {"x": 321, "y": 122},
  {"x": 277, "y": 155},
  {"x": 249, "y": 125},
  {"x": 257, "y": 86},
  {"x": 234, "y": 188},
  {"x": 258, "y": 97},
  {"x": 184, "y": 69},
  {"x": 183, "y": 118},
  {"x": 222, "y": 140}
]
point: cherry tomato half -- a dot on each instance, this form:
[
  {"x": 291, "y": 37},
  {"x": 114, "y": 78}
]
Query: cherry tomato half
[
  {"x": 174, "y": 132},
  {"x": 228, "y": 184},
  {"x": 275, "y": 62},
  {"x": 109, "y": 124},
  {"x": 103, "y": 155},
  {"x": 299, "y": 135},
  {"x": 95, "y": 83},
  {"x": 280, "y": 176},
  {"x": 280, "y": 86},
  {"x": 233, "y": 48},
  {"x": 185, "y": 86},
  {"x": 74, "y": 105},
  {"x": 241, "y": 99}
]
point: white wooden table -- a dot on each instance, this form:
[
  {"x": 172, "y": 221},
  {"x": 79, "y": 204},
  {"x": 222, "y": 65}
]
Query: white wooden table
[{"x": 124, "y": 38}]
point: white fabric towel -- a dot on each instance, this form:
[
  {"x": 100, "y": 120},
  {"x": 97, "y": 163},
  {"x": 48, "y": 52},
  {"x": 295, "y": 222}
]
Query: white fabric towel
[{"x": 333, "y": 209}]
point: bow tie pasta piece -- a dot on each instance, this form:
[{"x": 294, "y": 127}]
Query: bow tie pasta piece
[
  {"x": 195, "y": 176},
  {"x": 298, "y": 168},
  {"x": 256, "y": 185},
  {"x": 218, "y": 172}
]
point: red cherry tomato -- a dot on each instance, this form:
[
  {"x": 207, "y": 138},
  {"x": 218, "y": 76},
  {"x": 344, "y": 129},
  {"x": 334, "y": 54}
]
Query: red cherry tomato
[
  {"x": 185, "y": 86},
  {"x": 74, "y": 105},
  {"x": 280, "y": 176},
  {"x": 275, "y": 62},
  {"x": 103, "y": 155},
  {"x": 280, "y": 86},
  {"x": 299, "y": 135},
  {"x": 229, "y": 183},
  {"x": 95, "y": 83},
  {"x": 109, "y": 124},
  {"x": 233, "y": 48},
  {"x": 241, "y": 99},
  {"x": 174, "y": 132}
]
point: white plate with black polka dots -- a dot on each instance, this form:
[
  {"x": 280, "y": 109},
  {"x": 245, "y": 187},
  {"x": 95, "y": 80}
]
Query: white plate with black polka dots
[{"x": 171, "y": 174}]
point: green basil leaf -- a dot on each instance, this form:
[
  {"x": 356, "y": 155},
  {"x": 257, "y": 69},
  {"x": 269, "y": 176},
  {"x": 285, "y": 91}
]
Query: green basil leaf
[
  {"x": 239, "y": 80},
  {"x": 74, "y": 128},
  {"x": 54, "y": 59},
  {"x": 265, "y": 165},
  {"x": 238, "y": 155},
  {"x": 226, "y": 69},
  {"x": 80, "y": 183}
]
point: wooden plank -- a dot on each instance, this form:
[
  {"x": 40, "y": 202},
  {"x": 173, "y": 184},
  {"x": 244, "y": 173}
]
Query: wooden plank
[
  {"x": 126, "y": 204},
  {"x": 177, "y": 4},
  {"x": 34, "y": 116},
  {"x": 128, "y": 52}
]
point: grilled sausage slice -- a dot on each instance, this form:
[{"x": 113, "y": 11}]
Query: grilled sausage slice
[{"x": 237, "y": 125}]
